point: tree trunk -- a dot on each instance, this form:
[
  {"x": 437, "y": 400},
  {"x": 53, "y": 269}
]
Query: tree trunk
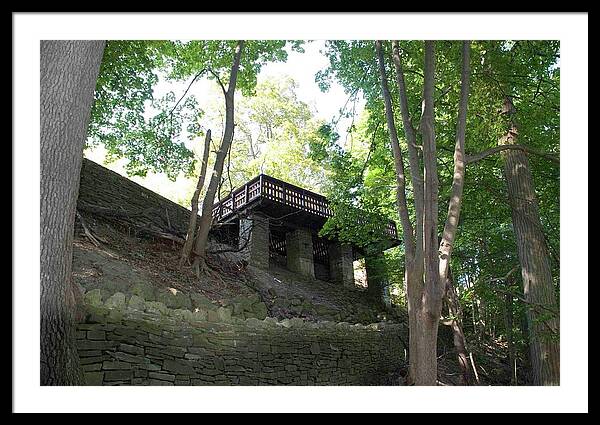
[
  {"x": 206, "y": 217},
  {"x": 416, "y": 173},
  {"x": 508, "y": 320},
  {"x": 433, "y": 290},
  {"x": 68, "y": 73},
  {"x": 460, "y": 344},
  {"x": 533, "y": 254},
  {"x": 424, "y": 285},
  {"x": 191, "y": 233},
  {"x": 413, "y": 253},
  {"x": 454, "y": 206}
]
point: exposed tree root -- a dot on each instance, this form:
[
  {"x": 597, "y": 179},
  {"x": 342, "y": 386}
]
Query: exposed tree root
[{"x": 202, "y": 268}]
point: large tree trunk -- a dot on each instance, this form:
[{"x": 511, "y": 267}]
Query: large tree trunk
[
  {"x": 424, "y": 285},
  {"x": 68, "y": 73},
  {"x": 433, "y": 290},
  {"x": 209, "y": 198},
  {"x": 191, "y": 233},
  {"x": 533, "y": 254}
]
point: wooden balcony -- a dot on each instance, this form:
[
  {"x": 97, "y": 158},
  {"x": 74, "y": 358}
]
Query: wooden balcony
[{"x": 266, "y": 189}]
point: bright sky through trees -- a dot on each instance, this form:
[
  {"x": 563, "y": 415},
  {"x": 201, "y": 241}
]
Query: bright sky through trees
[{"x": 301, "y": 67}]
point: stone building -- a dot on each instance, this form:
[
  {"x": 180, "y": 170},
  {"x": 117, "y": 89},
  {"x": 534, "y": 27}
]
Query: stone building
[{"x": 275, "y": 222}]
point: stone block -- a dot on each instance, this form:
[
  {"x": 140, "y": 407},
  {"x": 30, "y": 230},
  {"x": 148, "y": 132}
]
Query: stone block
[
  {"x": 118, "y": 375},
  {"x": 254, "y": 240},
  {"x": 161, "y": 376},
  {"x": 93, "y": 378},
  {"x": 96, "y": 335},
  {"x": 174, "y": 299},
  {"x": 341, "y": 264},
  {"x": 93, "y": 297},
  {"x": 156, "y": 307},
  {"x": 136, "y": 303},
  {"x": 144, "y": 290},
  {"x": 116, "y": 301},
  {"x": 299, "y": 252},
  {"x": 178, "y": 367}
]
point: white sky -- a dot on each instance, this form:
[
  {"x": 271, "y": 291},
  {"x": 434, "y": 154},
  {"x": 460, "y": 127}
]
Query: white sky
[{"x": 302, "y": 67}]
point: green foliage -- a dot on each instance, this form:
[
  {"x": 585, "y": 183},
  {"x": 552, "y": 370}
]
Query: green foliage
[
  {"x": 216, "y": 55},
  {"x": 358, "y": 196},
  {"x": 485, "y": 248},
  {"x": 273, "y": 134},
  {"x": 124, "y": 89},
  {"x": 128, "y": 74}
]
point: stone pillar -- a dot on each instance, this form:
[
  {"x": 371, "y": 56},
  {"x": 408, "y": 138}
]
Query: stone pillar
[
  {"x": 376, "y": 276},
  {"x": 299, "y": 249},
  {"x": 255, "y": 230},
  {"x": 341, "y": 264}
]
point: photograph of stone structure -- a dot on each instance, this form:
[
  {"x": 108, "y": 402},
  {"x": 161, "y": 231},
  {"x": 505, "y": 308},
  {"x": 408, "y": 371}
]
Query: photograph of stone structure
[{"x": 343, "y": 206}]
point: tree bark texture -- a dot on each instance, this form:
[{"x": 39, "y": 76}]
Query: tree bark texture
[
  {"x": 534, "y": 258},
  {"x": 68, "y": 73},
  {"x": 432, "y": 294}
]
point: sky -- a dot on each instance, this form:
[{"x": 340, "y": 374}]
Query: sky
[{"x": 302, "y": 67}]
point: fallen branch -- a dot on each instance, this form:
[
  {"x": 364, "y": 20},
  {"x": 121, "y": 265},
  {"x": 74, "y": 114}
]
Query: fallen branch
[{"x": 87, "y": 231}]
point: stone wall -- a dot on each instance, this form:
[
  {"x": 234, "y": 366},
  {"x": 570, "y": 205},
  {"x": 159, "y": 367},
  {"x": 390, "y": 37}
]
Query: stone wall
[
  {"x": 133, "y": 342},
  {"x": 104, "y": 188}
]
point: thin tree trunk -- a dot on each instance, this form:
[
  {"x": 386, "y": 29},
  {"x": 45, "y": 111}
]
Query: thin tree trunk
[
  {"x": 401, "y": 203},
  {"x": 460, "y": 344},
  {"x": 508, "y": 314},
  {"x": 206, "y": 217},
  {"x": 413, "y": 263},
  {"x": 451, "y": 225},
  {"x": 416, "y": 174},
  {"x": 533, "y": 254},
  {"x": 68, "y": 73},
  {"x": 189, "y": 241}
]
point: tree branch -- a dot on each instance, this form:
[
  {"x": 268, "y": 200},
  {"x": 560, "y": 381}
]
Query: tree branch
[{"x": 481, "y": 155}]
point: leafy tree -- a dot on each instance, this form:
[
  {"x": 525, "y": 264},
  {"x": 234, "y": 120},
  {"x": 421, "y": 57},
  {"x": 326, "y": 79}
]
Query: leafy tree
[
  {"x": 274, "y": 131},
  {"x": 196, "y": 58},
  {"x": 485, "y": 247},
  {"x": 129, "y": 71}
]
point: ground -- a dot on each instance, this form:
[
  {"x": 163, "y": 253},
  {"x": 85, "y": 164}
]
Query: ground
[{"x": 121, "y": 261}]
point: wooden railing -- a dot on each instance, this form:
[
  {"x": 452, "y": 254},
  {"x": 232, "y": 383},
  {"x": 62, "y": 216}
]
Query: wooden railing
[{"x": 267, "y": 187}]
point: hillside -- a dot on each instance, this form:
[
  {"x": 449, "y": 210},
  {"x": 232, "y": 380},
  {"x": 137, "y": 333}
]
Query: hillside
[{"x": 125, "y": 244}]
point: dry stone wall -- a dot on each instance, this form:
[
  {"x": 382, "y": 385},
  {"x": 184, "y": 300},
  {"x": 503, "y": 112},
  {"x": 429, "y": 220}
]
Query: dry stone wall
[{"x": 130, "y": 341}]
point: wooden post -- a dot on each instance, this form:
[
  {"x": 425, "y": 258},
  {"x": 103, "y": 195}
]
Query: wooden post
[{"x": 283, "y": 194}]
